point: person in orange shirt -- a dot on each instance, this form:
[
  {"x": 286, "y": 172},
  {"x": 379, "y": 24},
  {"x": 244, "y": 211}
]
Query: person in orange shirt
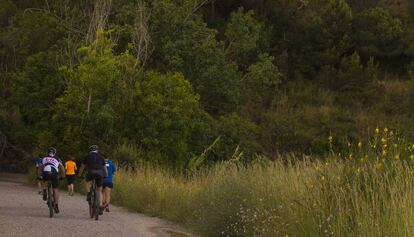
[{"x": 71, "y": 168}]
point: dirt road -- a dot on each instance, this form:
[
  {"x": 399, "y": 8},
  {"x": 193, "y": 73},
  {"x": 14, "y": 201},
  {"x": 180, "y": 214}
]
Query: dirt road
[{"x": 24, "y": 213}]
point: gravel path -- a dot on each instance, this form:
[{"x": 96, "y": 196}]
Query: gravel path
[{"x": 24, "y": 213}]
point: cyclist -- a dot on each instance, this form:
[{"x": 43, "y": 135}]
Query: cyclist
[
  {"x": 95, "y": 165},
  {"x": 38, "y": 163},
  {"x": 49, "y": 170},
  {"x": 70, "y": 167},
  {"x": 108, "y": 184}
]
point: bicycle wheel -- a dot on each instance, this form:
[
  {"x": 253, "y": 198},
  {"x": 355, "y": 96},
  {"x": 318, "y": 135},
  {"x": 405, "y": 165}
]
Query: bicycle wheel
[
  {"x": 91, "y": 209},
  {"x": 96, "y": 204},
  {"x": 50, "y": 200}
]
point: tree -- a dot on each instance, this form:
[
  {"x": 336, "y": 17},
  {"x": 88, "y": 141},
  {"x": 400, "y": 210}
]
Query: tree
[
  {"x": 261, "y": 80},
  {"x": 242, "y": 35},
  {"x": 33, "y": 94},
  {"x": 91, "y": 109},
  {"x": 163, "y": 117},
  {"x": 377, "y": 33}
]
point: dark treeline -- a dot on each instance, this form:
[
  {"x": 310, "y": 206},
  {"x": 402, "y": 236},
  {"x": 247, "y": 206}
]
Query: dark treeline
[{"x": 164, "y": 81}]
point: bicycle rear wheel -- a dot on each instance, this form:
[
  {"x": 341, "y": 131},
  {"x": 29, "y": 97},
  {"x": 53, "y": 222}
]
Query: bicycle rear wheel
[
  {"x": 91, "y": 210},
  {"x": 50, "y": 200},
  {"x": 96, "y": 204}
]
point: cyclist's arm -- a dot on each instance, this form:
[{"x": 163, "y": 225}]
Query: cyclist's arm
[
  {"x": 39, "y": 170},
  {"x": 81, "y": 170},
  {"x": 105, "y": 170},
  {"x": 62, "y": 170}
]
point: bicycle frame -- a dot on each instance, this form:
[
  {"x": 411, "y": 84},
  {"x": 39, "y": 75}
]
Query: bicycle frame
[
  {"x": 94, "y": 202},
  {"x": 50, "y": 198}
]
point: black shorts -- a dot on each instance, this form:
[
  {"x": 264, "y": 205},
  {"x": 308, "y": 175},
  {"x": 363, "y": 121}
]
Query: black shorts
[
  {"x": 51, "y": 177},
  {"x": 109, "y": 185},
  {"x": 97, "y": 175},
  {"x": 70, "y": 179}
]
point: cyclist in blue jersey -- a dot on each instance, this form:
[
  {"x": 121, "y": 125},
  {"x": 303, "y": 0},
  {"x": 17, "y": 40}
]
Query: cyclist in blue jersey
[
  {"x": 107, "y": 184},
  {"x": 38, "y": 163}
]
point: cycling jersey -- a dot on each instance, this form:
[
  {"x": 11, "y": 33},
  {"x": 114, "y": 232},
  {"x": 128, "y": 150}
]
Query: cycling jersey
[
  {"x": 70, "y": 167},
  {"x": 111, "y": 170},
  {"x": 94, "y": 161},
  {"x": 50, "y": 162},
  {"x": 38, "y": 162}
]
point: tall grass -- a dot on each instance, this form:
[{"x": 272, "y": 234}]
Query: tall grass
[
  {"x": 364, "y": 194},
  {"x": 278, "y": 199}
]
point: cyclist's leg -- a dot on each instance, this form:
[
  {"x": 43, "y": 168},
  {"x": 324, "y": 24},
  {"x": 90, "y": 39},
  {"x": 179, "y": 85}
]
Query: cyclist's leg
[
  {"x": 103, "y": 195},
  {"x": 55, "y": 186},
  {"x": 44, "y": 185},
  {"x": 72, "y": 180},
  {"x": 108, "y": 194},
  {"x": 69, "y": 179},
  {"x": 98, "y": 180},
  {"x": 107, "y": 188},
  {"x": 88, "y": 184},
  {"x": 68, "y": 184},
  {"x": 39, "y": 185}
]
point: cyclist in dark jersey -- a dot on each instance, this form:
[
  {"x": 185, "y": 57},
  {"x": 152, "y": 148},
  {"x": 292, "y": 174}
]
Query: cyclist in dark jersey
[{"x": 95, "y": 165}]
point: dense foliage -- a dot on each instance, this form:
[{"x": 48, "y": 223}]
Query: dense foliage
[{"x": 171, "y": 81}]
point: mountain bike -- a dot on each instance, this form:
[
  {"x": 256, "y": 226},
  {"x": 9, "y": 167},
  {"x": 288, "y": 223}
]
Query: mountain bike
[
  {"x": 50, "y": 198},
  {"x": 94, "y": 201}
]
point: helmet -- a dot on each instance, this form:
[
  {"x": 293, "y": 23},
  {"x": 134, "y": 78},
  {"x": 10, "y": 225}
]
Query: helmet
[
  {"x": 51, "y": 151},
  {"x": 93, "y": 148}
]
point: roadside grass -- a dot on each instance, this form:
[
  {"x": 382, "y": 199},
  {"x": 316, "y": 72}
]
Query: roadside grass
[{"x": 278, "y": 199}]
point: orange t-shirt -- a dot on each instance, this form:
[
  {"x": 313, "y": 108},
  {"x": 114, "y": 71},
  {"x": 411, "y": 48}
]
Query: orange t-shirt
[{"x": 70, "y": 167}]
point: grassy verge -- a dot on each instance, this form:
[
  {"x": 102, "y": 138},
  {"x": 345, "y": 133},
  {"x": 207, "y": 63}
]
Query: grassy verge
[{"x": 334, "y": 198}]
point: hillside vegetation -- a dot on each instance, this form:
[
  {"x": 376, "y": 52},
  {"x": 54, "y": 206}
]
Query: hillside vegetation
[{"x": 177, "y": 83}]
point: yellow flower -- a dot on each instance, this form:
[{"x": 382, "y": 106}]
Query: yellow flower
[
  {"x": 330, "y": 138},
  {"x": 383, "y": 140},
  {"x": 412, "y": 157},
  {"x": 384, "y": 152},
  {"x": 322, "y": 178},
  {"x": 359, "y": 144},
  {"x": 397, "y": 157},
  {"x": 391, "y": 133},
  {"x": 385, "y": 130},
  {"x": 377, "y": 130},
  {"x": 385, "y": 146}
]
